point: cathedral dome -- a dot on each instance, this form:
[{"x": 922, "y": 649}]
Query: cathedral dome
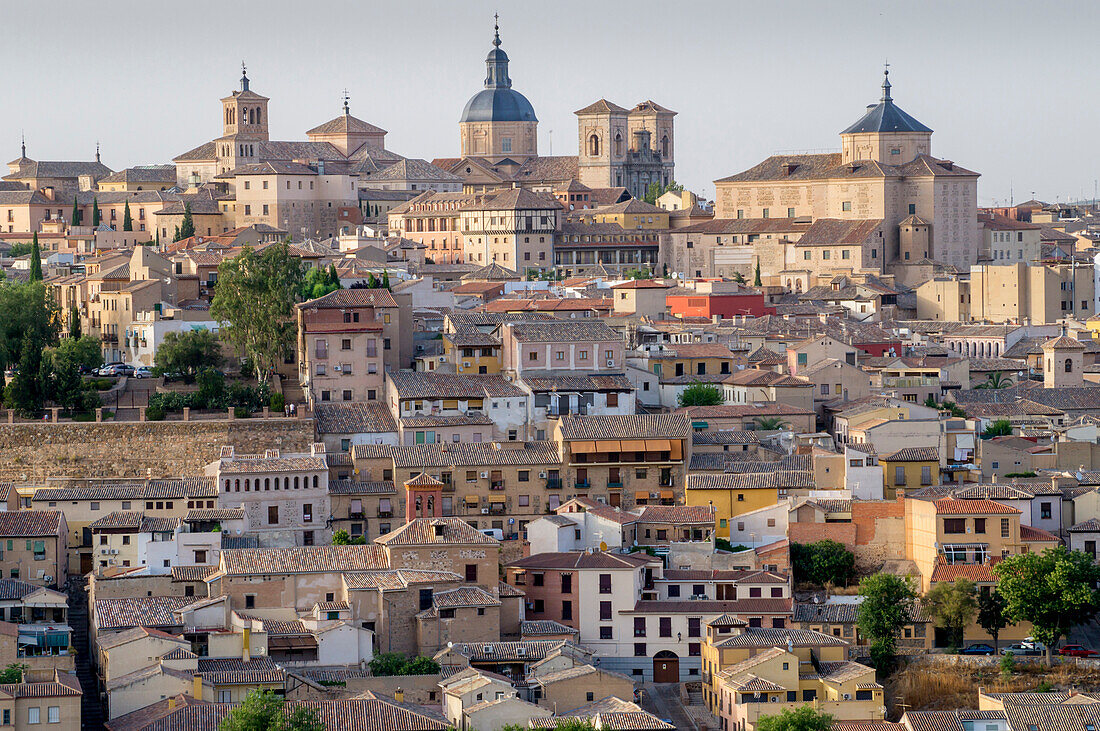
[{"x": 498, "y": 101}]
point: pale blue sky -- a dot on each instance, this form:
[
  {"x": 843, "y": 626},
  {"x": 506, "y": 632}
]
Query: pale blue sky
[{"x": 1008, "y": 86}]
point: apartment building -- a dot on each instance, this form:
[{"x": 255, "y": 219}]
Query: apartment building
[
  {"x": 346, "y": 340},
  {"x": 434, "y": 407},
  {"x": 34, "y": 546},
  {"x": 560, "y": 346}
]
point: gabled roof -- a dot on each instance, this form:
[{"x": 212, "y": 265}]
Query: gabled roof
[
  {"x": 345, "y": 124},
  {"x": 602, "y": 106},
  {"x": 435, "y": 531}
]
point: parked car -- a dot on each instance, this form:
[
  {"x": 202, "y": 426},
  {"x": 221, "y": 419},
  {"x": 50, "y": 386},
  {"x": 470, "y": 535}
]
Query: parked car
[
  {"x": 1077, "y": 651},
  {"x": 117, "y": 369},
  {"x": 978, "y": 648},
  {"x": 107, "y": 368},
  {"x": 1021, "y": 648},
  {"x": 143, "y": 372}
]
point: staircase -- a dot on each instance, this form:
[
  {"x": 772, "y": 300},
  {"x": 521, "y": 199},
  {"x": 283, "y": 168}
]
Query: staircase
[{"x": 91, "y": 711}]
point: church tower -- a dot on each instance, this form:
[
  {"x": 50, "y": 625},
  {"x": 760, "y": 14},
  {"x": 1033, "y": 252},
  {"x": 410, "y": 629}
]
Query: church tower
[
  {"x": 885, "y": 133},
  {"x": 1063, "y": 360},
  {"x": 498, "y": 122},
  {"x": 244, "y": 126}
]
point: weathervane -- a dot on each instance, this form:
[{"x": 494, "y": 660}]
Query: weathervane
[{"x": 346, "y": 99}]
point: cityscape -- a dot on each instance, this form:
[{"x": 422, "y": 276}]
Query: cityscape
[{"x": 313, "y": 426}]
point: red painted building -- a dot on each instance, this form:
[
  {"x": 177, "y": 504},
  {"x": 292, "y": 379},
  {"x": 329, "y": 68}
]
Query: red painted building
[{"x": 717, "y": 298}]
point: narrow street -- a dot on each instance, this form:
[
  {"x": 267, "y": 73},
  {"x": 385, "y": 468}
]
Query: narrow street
[
  {"x": 663, "y": 701},
  {"x": 91, "y": 711}
]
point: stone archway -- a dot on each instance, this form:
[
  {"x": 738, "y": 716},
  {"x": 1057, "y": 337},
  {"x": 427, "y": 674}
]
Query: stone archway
[{"x": 666, "y": 667}]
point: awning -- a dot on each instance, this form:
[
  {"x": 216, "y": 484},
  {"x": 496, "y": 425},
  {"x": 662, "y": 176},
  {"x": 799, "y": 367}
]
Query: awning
[
  {"x": 667, "y": 494},
  {"x": 641, "y": 495},
  {"x": 633, "y": 445},
  {"x": 698, "y": 425},
  {"x": 657, "y": 445},
  {"x": 496, "y": 499},
  {"x": 610, "y": 445},
  {"x": 676, "y": 450},
  {"x": 291, "y": 642},
  {"x": 472, "y": 500},
  {"x": 964, "y": 441},
  {"x": 582, "y": 447}
]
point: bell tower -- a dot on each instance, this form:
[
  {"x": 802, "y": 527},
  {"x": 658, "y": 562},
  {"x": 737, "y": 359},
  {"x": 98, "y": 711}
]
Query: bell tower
[
  {"x": 423, "y": 498},
  {"x": 244, "y": 112}
]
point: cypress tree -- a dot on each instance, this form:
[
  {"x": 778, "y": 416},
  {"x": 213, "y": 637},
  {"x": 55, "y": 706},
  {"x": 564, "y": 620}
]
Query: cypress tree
[
  {"x": 756, "y": 282},
  {"x": 177, "y": 237},
  {"x": 74, "y": 220},
  {"x": 385, "y": 279},
  {"x": 74, "y": 323},
  {"x": 372, "y": 281},
  {"x": 96, "y": 214},
  {"x": 187, "y": 226},
  {"x": 36, "y": 260},
  {"x": 127, "y": 222},
  {"x": 156, "y": 241}
]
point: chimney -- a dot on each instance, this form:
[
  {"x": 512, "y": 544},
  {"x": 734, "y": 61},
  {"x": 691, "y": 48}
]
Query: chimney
[
  {"x": 399, "y": 695},
  {"x": 196, "y": 691},
  {"x": 172, "y": 703},
  {"x": 246, "y": 645}
]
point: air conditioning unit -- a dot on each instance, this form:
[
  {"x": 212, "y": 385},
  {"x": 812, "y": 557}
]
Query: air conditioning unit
[
  {"x": 521, "y": 651},
  {"x": 654, "y": 495},
  {"x": 774, "y": 699},
  {"x": 336, "y": 368},
  {"x": 48, "y": 579},
  {"x": 465, "y": 364},
  {"x": 610, "y": 364},
  {"x": 485, "y": 511},
  {"x": 442, "y": 359},
  {"x": 114, "y": 551},
  {"x": 542, "y": 475},
  {"x": 847, "y": 696},
  {"x": 485, "y": 475},
  {"x": 104, "y": 551}
]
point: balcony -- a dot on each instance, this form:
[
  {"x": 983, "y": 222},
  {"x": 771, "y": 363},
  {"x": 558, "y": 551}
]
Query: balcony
[
  {"x": 553, "y": 483},
  {"x": 614, "y": 485},
  {"x": 910, "y": 382},
  {"x": 356, "y": 515},
  {"x": 496, "y": 485},
  {"x": 582, "y": 484},
  {"x": 109, "y": 337},
  {"x": 385, "y": 513}
]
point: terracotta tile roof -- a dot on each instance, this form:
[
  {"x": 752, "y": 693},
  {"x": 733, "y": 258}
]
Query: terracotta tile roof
[
  {"x": 222, "y": 671},
  {"x": 341, "y": 299},
  {"x": 914, "y": 454},
  {"x": 16, "y": 589},
  {"x": 954, "y": 506},
  {"x": 474, "y": 454},
  {"x": 1031, "y": 534},
  {"x": 345, "y": 487},
  {"x": 397, "y": 579},
  {"x": 116, "y": 639},
  {"x": 563, "y": 332},
  {"x": 678, "y": 514},
  {"x": 65, "y": 686},
  {"x": 724, "y": 436},
  {"x": 30, "y": 523},
  {"x": 539, "y": 381},
  {"x": 241, "y": 465},
  {"x": 1086, "y": 526},
  {"x": 302, "y": 560},
  {"x": 434, "y": 531},
  {"x": 944, "y": 572},
  {"x": 637, "y": 426},
  {"x": 464, "y": 596},
  {"x": 148, "y": 611},
  {"x": 534, "y": 628},
  {"x": 192, "y": 573},
  {"x": 748, "y": 576},
  {"x": 422, "y": 422},
  {"x": 779, "y": 638},
  {"x": 426, "y": 385},
  {"x": 615, "y": 515},
  {"x": 731, "y": 411},
  {"x": 526, "y": 651},
  {"x": 354, "y": 418},
  {"x": 197, "y": 515},
  {"x": 507, "y": 590},
  {"x": 332, "y": 606},
  {"x": 582, "y": 560}
]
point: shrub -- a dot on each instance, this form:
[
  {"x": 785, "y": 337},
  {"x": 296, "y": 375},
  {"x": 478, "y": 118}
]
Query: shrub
[
  {"x": 1008, "y": 666},
  {"x": 242, "y": 412},
  {"x": 154, "y": 413},
  {"x": 822, "y": 562},
  {"x": 277, "y": 402}
]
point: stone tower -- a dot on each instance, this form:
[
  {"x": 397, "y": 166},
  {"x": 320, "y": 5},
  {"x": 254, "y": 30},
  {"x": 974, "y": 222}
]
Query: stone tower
[
  {"x": 1063, "y": 359},
  {"x": 498, "y": 122},
  {"x": 244, "y": 125},
  {"x": 885, "y": 133},
  {"x": 603, "y": 141}
]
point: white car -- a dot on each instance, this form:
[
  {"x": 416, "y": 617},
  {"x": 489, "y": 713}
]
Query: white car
[{"x": 143, "y": 372}]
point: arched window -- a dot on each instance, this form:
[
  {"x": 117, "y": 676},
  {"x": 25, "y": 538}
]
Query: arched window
[
  {"x": 227, "y": 485},
  {"x": 664, "y": 146},
  {"x": 259, "y": 111},
  {"x": 618, "y": 144},
  {"x": 1069, "y": 365},
  {"x": 594, "y": 145},
  {"x": 296, "y": 482},
  {"x": 286, "y": 483},
  {"x": 252, "y": 116},
  {"x": 267, "y": 483},
  {"x": 236, "y": 485},
  {"x": 315, "y": 480}
]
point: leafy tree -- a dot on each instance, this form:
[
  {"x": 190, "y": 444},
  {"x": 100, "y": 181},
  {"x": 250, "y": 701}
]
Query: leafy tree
[
  {"x": 739, "y": 278},
  {"x": 700, "y": 394},
  {"x": 74, "y": 218},
  {"x": 823, "y": 562},
  {"x": 991, "y": 614},
  {"x": 770, "y": 423},
  {"x": 12, "y": 673},
  {"x": 342, "y": 538},
  {"x": 36, "y": 260},
  {"x": 952, "y": 607},
  {"x": 187, "y": 225},
  {"x": 26, "y": 393},
  {"x": 74, "y": 323},
  {"x": 950, "y": 406},
  {"x": 127, "y": 222},
  {"x": 83, "y": 351},
  {"x": 395, "y": 663},
  {"x": 385, "y": 278},
  {"x": 995, "y": 381},
  {"x": 19, "y": 248},
  {"x": 1054, "y": 590},
  {"x": 998, "y": 428},
  {"x": 265, "y": 711},
  {"x": 756, "y": 280},
  {"x": 656, "y": 190},
  {"x": 254, "y": 302},
  {"x": 887, "y": 606},
  {"x": 319, "y": 282},
  {"x": 60, "y": 376},
  {"x": 97, "y": 214},
  {"x": 803, "y": 718},
  {"x": 25, "y": 309},
  {"x": 372, "y": 281},
  {"x": 187, "y": 352}
]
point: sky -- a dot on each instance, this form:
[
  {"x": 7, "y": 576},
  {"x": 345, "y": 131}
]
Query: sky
[{"x": 1008, "y": 86}]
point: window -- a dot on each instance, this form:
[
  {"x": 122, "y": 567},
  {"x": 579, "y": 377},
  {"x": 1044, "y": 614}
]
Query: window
[
  {"x": 249, "y": 601},
  {"x": 755, "y": 591},
  {"x": 1004, "y": 527},
  {"x": 471, "y": 573},
  {"x": 846, "y": 206},
  {"x": 605, "y": 611},
  {"x": 899, "y": 475},
  {"x": 639, "y": 649},
  {"x": 639, "y": 627},
  {"x": 926, "y": 475},
  {"x": 665, "y": 626},
  {"x": 33, "y": 715},
  {"x": 272, "y": 514},
  {"x": 954, "y": 525},
  {"x": 567, "y": 583},
  {"x": 1044, "y": 511},
  {"x": 605, "y": 583},
  {"x": 673, "y": 590},
  {"x": 307, "y": 513},
  {"x": 567, "y": 609}
]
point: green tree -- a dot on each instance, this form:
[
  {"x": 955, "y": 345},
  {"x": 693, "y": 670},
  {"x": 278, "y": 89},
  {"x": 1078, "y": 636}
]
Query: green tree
[
  {"x": 991, "y": 614},
  {"x": 372, "y": 281},
  {"x": 97, "y": 214},
  {"x": 770, "y": 423},
  {"x": 823, "y": 562},
  {"x": 74, "y": 323},
  {"x": 12, "y": 673},
  {"x": 995, "y": 381},
  {"x": 318, "y": 283},
  {"x": 1054, "y": 590},
  {"x": 656, "y": 190},
  {"x": 83, "y": 351},
  {"x": 265, "y": 711},
  {"x": 177, "y": 236},
  {"x": 700, "y": 394},
  {"x": 739, "y": 278},
  {"x": 187, "y": 225},
  {"x": 887, "y": 606},
  {"x": 304, "y": 718},
  {"x": 803, "y": 718},
  {"x": 395, "y": 663},
  {"x": 385, "y": 284},
  {"x": 26, "y": 309},
  {"x": 756, "y": 280},
  {"x": 60, "y": 377},
  {"x": 343, "y": 538},
  {"x": 187, "y": 352},
  {"x": 952, "y": 606},
  {"x": 26, "y": 393},
  {"x": 254, "y": 302},
  {"x": 36, "y": 260},
  {"x": 74, "y": 218},
  {"x": 998, "y": 428},
  {"x": 19, "y": 248},
  {"x": 127, "y": 222}
]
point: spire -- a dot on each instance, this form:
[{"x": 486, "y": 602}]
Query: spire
[
  {"x": 97, "y": 150},
  {"x": 244, "y": 77},
  {"x": 886, "y": 84},
  {"x": 23, "y": 144},
  {"x": 347, "y": 98},
  {"x": 496, "y": 63},
  {"x": 496, "y": 30}
]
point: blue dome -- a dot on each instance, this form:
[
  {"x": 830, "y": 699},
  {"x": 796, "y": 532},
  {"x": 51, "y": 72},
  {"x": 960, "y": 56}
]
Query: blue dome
[{"x": 498, "y": 105}]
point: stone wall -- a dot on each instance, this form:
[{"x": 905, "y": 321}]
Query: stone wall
[{"x": 31, "y": 452}]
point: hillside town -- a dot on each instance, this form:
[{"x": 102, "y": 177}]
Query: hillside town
[{"x": 507, "y": 440}]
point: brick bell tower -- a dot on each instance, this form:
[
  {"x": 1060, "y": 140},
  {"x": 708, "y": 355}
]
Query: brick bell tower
[{"x": 423, "y": 498}]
